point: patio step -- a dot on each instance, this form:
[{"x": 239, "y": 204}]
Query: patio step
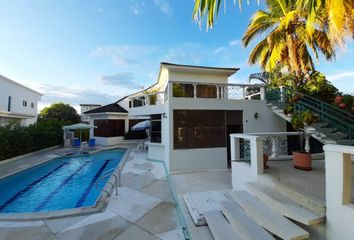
[
  {"x": 220, "y": 227},
  {"x": 267, "y": 218},
  {"x": 316, "y": 205},
  {"x": 337, "y": 135},
  {"x": 284, "y": 205},
  {"x": 245, "y": 226},
  {"x": 328, "y": 130}
]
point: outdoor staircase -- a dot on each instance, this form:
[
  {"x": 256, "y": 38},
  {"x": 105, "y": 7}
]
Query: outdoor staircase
[
  {"x": 262, "y": 211},
  {"x": 335, "y": 126}
]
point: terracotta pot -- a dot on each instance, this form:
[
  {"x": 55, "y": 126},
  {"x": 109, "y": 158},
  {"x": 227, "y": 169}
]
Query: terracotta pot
[
  {"x": 265, "y": 161},
  {"x": 302, "y": 160}
]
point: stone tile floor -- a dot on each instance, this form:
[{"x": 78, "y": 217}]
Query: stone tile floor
[{"x": 143, "y": 209}]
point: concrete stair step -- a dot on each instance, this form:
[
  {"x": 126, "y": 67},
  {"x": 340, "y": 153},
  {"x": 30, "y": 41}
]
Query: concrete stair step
[
  {"x": 319, "y": 125},
  {"x": 284, "y": 205},
  {"x": 347, "y": 142},
  {"x": 316, "y": 205},
  {"x": 267, "y": 218},
  {"x": 337, "y": 135},
  {"x": 245, "y": 226},
  {"x": 220, "y": 227},
  {"x": 328, "y": 130}
]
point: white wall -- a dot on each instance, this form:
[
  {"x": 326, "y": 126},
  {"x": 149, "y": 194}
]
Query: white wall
[
  {"x": 211, "y": 158},
  {"x": 18, "y": 94},
  {"x": 156, "y": 151},
  {"x": 109, "y": 141},
  {"x": 201, "y": 77}
]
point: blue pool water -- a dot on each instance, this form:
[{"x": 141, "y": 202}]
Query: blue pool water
[{"x": 65, "y": 182}]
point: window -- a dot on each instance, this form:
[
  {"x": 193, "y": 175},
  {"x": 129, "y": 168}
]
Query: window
[
  {"x": 206, "y": 91},
  {"x": 9, "y": 104},
  {"x": 183, "y": 90},
  {"x": 24, "y": 103},
  {"x": 109, "y": 128},
  {"x": 156, "y": 128},
  {"x": 32, "y": 105},
  {"x": 199, "y": 129}
]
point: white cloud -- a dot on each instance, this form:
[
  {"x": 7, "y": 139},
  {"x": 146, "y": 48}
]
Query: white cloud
[
  {"x": 137, "y": 7},
  {"x": 341, "y": 76},
  {"x": 124, "y": 55},
  {"x": 122, "y": 79},
  {"x": 164, "y": 6},
  {"x": 235, "y": 43}
]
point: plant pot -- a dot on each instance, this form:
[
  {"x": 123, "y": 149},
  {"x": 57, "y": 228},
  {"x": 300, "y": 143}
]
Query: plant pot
[
  {"x": 265, "y": 161},
  {"x": 302, "y": 161}
]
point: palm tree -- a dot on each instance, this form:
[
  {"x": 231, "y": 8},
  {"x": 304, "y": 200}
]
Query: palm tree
[
  {"x": 288, "y": 39},
  {"x": 337, "y": 14}
]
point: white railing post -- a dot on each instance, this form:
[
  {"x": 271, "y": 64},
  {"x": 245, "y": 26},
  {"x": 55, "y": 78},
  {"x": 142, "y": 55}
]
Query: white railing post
[
  {"x": 263, "y": 93},
  {"x": 195, "y": 90},
  {"x": 234, "y": 148},
  {"x": 274, "y": 146},
  {"x": 217, "y": 92},
  {"x": 282, "y": 94},
  {"x": 257, "y": 155}
]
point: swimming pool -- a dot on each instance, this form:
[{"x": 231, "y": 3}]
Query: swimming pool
[{"x": 61, "y": 183}]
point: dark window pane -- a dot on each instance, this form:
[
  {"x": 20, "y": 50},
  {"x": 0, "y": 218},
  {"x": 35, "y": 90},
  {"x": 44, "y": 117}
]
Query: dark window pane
[
  {"x": 183, "y": 90},
  {"x": 155, "y": 128},
  {"x": 109, "y": 128},
  {"x": 199, "y": 129},
  {"x": 206, "y": 91}
]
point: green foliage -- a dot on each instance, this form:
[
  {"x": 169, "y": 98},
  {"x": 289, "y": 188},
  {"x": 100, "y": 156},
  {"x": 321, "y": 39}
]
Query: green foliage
[
  {"x": 301, "y": 119},
  {"x": 60, "y": 112},
  {"x": 18, "y": 140},
  {"x": 319, "y": 87},
  {"x": 152, "y": 98},
  {"x": 289, "y": 109},
  {"x": 178, "y": 90}
]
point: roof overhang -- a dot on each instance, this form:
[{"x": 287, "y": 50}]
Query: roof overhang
[{"x": 200, "y": 69}]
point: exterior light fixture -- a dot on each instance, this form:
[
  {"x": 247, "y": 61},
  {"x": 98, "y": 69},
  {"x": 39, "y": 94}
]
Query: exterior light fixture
[{"x": 256, "y": 115}]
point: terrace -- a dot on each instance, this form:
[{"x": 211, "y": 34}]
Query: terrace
[{"x": 153, "y": 103}]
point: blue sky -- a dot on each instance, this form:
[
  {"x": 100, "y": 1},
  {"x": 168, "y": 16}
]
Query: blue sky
[{"x": 98, "y": 51}]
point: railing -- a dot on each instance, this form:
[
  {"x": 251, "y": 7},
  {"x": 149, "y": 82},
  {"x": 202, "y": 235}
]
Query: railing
[
  {"x": 117, "y": 180},
  {"x": 217, "y": 91},
  {"x": 148, "y": 99},
  {"x": 340, "y": 119}
]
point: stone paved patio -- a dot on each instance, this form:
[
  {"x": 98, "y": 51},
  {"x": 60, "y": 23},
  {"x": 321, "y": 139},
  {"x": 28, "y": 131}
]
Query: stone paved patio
[{"x": 143, "y": 209}]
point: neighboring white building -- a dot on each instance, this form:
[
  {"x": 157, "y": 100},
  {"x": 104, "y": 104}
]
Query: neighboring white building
[
  {"x": 87, "y": 107},
  {"x": 17, "y": 102}
]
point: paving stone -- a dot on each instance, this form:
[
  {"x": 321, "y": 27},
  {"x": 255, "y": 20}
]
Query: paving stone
[
  {"x": 137, "y": 181},
  {"x": 132, "y": 204},
  {"x": 162, "y": 218},
  {"x": 135, "y": 233},
  {"x": 158, "y": 189},
  {"x": 102, "y": 230},
  {"x": 25, "y": 231},
  {"x": 176, "y": 234},
  {"x": 58, "y": 225}
]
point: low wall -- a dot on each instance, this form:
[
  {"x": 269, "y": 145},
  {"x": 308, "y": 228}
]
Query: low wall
[
  {"x": 156, "y": 151},
  {"x": 197, "y": 159},
  {"x": 108, "y": 141},
  {"x": 19, "y": 163}
]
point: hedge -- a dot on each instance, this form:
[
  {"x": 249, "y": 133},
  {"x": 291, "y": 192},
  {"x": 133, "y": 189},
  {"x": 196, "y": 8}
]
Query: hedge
[{"x": 16, "y": 140}]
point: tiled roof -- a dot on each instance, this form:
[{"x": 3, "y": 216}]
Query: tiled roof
[{"x": 113, "y": 107}]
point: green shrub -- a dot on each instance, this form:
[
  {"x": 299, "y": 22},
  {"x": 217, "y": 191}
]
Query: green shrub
[{"x": 17, "y": 140}]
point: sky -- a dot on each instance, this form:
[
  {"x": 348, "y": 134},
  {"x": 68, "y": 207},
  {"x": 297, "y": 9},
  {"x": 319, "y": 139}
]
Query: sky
[{"x": 97, "y": 51}]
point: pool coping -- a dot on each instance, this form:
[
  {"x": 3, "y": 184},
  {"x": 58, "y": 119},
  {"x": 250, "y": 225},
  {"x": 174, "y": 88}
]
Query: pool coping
[{"x": 99, "y": 206}]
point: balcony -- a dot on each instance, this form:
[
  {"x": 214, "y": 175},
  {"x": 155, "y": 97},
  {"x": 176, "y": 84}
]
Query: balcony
[
  {"x": 217, "y": 91},
  {"x": 153, "y": 103}
]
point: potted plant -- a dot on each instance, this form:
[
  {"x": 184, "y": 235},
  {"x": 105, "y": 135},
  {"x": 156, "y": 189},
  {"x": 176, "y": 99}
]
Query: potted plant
[
  {"x": 300, "y": 121},
  {"x": 288, "y": 110}
]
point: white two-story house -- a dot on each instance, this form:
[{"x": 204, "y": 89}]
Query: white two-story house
[
  {"x": 194, "y": 109},
  {"x": 18, "y": 103}
]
